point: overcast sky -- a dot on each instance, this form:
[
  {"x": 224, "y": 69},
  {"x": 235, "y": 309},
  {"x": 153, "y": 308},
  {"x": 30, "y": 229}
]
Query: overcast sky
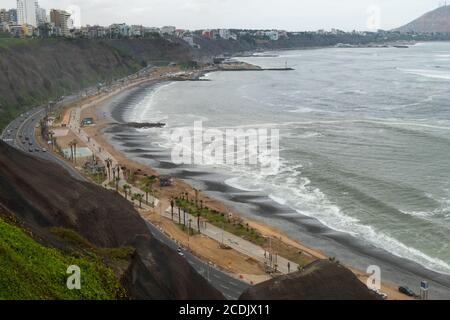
[{"x": 292, "y": 15}]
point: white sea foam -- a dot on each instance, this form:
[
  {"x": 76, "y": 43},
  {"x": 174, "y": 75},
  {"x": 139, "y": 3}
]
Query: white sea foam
[
  {"x": 434, "y": 74},
  {"x": 239, "y": 184},
  {"x": 297, "y": 193}
]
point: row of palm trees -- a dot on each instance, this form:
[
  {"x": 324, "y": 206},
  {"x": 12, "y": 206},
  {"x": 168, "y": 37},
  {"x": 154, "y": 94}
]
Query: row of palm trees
[
  {"x": 73, "y": 150},
  {"x": 127, "y": 189},
  {"x": 185, "y": 197}
]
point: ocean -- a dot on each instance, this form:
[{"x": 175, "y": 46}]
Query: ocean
[{"x": 364, "y": 148}]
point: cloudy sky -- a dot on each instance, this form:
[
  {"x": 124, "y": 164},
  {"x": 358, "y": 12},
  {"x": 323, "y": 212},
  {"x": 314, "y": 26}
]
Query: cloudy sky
[{"x": 290, "y": 15}]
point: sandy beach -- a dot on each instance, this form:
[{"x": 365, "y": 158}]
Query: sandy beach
[{"x": 105, "y": 117}]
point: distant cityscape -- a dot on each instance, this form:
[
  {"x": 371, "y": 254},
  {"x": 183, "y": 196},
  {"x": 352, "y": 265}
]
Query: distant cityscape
[{"x": 29, "y": 20}]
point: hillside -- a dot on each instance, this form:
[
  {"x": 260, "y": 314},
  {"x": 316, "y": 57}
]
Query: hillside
[
  {"x": 321, "y": 280},
  {"x": 436, "y": 21},
  {"x": 36, "y": 71},
  {"x": 41, "y": 271},
  {"x": 83, "y": 220}
]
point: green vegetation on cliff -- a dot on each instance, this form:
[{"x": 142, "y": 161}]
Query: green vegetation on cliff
[
  {"x": 36, "y": 71},
  {"x": 31, "y": 271}
]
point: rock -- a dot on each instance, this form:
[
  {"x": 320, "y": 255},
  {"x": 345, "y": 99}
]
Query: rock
[{"x": 321, "y": 280}]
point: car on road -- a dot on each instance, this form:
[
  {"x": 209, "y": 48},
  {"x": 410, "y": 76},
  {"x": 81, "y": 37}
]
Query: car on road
[
  {"x": 37, "y": 150},
  {"x": 30, "y": 150},
  {"x": 406, "y": 291},
  {"x": 44, "y": 150},
  {"x": 180, "y": 252}
]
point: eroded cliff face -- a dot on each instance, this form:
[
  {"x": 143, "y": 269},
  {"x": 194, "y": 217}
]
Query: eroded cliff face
[
  {"x": 33, "y": 72},
  {"x": 321, "y": 280},
  {"x": 41, "y": 196}
]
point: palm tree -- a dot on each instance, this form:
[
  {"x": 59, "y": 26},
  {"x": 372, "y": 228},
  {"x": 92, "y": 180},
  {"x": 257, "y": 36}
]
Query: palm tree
[
  {"x": 74, "y": 144},
  {"x": 117, "y": 184},
  {"x": 147, "y": 190},
  {"x": 51, "y": 134},
  {"x": 150, "y": 181},
  {"x": 172, "y": 204},
  {"x": 71, "y": 151},
  {"x": 118, "y": 170},
  {"x": 139, "y": 197},
  {"x": 198, "y": 220},
  {"x": 125, "y": 190},
  {"x": 108, "y": 166},
  {"x": 196, "y": 196}
]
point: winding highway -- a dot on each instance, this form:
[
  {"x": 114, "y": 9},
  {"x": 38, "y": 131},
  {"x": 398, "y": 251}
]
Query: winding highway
[{"x": 20, "y": 134}]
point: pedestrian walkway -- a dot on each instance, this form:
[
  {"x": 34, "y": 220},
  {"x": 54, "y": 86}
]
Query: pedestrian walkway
[
  {"x": 237, "y": 243},
  {"x": 104, "y": 155}
]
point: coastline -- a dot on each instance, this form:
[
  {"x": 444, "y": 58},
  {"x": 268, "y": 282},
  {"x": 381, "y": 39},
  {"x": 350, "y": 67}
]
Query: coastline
[{"x": 313, "y": 234}]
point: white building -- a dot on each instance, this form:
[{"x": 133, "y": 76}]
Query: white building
[
  {"x": 4, "y": 27},
  {"x": 41, "y": 16},
  {"x": 152, "y": 30},
  {"x": 225, "y": 34},
  {"x": 168, "y": 30},
  {"x": 136, "y": 31},
  {"x": 120, "y": 30},
  {"x": 273, "y": 35},
  {"x": 26, "y": 12},
  {"x": 189, "y": 39}
]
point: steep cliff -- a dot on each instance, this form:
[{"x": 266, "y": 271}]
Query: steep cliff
[
  {"x": 321, "y": 280},
  {"x": 62, "y": 213}
]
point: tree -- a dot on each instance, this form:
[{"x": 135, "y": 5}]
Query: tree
[
  {"x": 196, "y": 197},
  {"x": 150, "y": 181},
  {"x": 172, "y": 204},
  {"x": 117, "y": 184},
  {"x": 73, "y": 149},
  {"x": 147, "y": 190},
  {"x": 139, "y": 197},
  {"x": 51, "y": 134},
  {"x": 199, "y": 214},
  {"x": 125, "y": 190},
  {"x": 108, "y": 166}
]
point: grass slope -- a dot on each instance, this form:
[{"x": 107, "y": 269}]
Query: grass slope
[{"x": 30, "y": 271}]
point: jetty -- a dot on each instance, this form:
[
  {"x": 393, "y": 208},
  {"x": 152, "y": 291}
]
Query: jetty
[{"x": 243, "y": 66}]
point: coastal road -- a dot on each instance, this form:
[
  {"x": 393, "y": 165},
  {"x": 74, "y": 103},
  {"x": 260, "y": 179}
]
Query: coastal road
[
  {"x": 230, "y": 287},
  {"x": 238, "y": 244},
  {"x": 20, "y": 134},
  {"x": 24, "y": 127}
]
